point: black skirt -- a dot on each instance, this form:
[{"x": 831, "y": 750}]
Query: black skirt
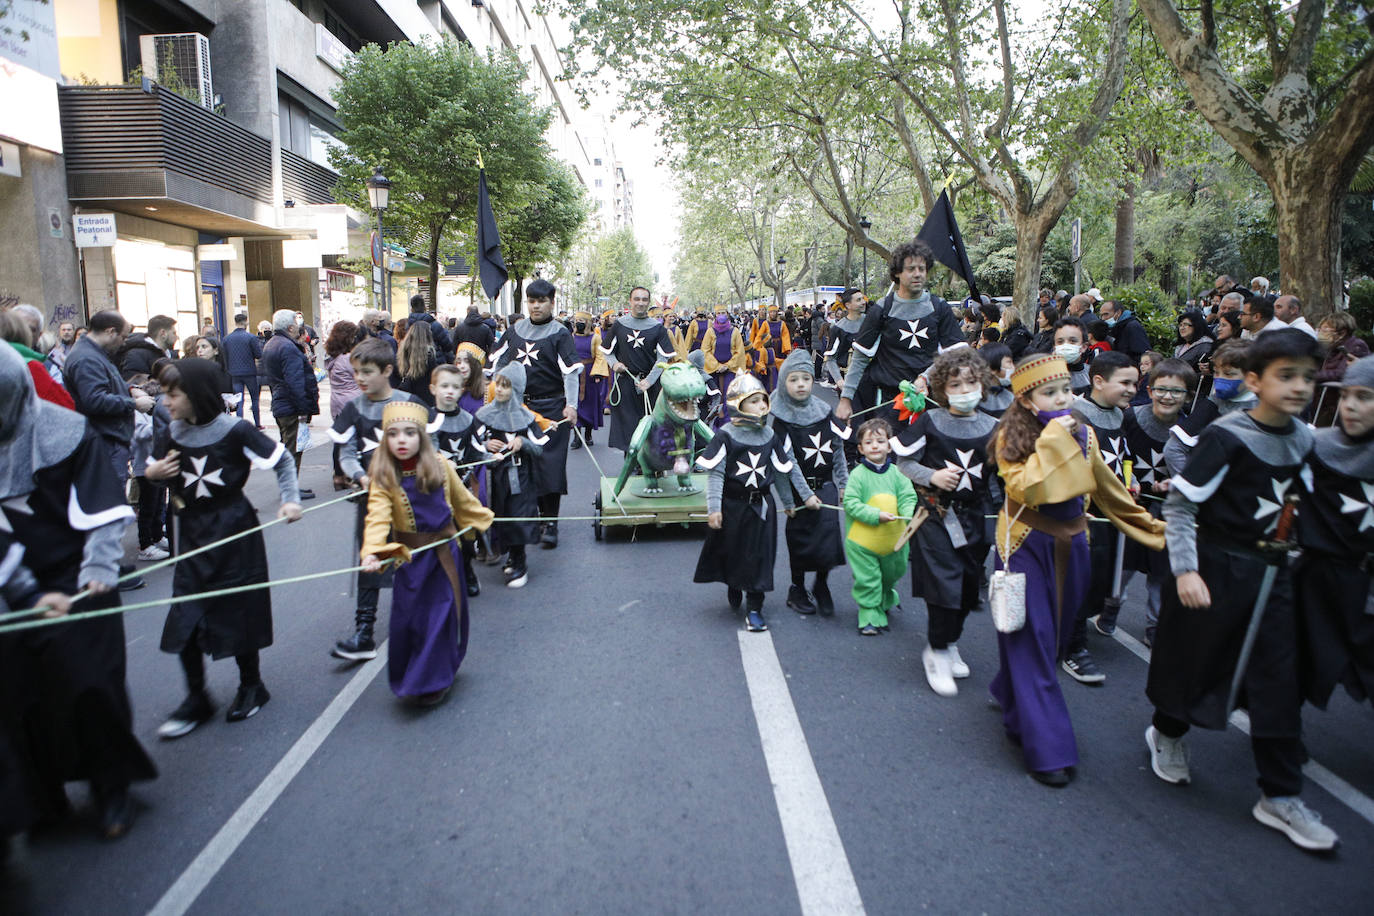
[
  {"x": 1336, "y": 628},
  {"x": 507, "y": 503},
  {"x": 233, "y": 624},
  {"x": 1195, "y": 651},
  {"x": 938, "y": 568},
  {"x": 627, "y": 406},
  {"x": 741, "y": 553},
  {"x": 552, "y": 475},
  {"x": 814, "y": 539}
]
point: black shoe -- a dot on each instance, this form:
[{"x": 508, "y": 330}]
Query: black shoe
[
  {"x": 116, "y": 811},
  {"x": 735, "y": 597},
  {"x": 1056, "y": 779},
  {"x": 307, "y": 494},
  {"x": 132, "y": 585},
  {"x": 799, "y": 601},
  {"x": 825, "y": 604},
  {"x": 576, "y": 443},
  {"x": 549, "y": 536},
  {"x": 516, "y": 576},
  {"x": 247, "y": 702},
  {"x": 433, "y": 698},
  {"x": 1081, "y": 667},
  {"x": 194, "y": 710},
  {"x": 359, "y": 647},
  {"x": 753, "y": 621},
  {"x": 474, "y": 587}
]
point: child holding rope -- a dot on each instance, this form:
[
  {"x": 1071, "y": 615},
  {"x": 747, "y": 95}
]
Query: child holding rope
[
  {"x": 205, "y": 456},
  {"x": 458, "y": 437},
  {"x": 876, "y": 500},
  {"x": 416, "y": 498},
  {"x": 513, "y": 434}
]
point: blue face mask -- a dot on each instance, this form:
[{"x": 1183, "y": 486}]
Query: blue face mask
[{"x": 1226, "y": 388}]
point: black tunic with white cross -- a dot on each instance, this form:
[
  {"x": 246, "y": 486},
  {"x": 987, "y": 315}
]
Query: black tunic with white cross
[
  {"x": 358, "y": 429},
  {"x": 939, "y": 440},
  {"x": 900, "y": 339},
  {"x": 1107, "y": 422},
  {"x": 1146, "y": 435},
  {"x": 547, "y": 355},
  {"x": 458, "y": 436},
  {"x": 1338, "y": 516}
]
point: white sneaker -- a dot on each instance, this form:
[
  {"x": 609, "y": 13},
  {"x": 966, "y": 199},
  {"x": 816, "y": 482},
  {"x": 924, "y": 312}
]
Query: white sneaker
[
  {"x": 1168, "y": 757},
  {"x": 1295, "y": 820},
  {"x": 957, "y": 666},
  {"x": 164, "y": 545},
  {"x": 153, "y": 552},
  {"x": 938, "y": 674}
]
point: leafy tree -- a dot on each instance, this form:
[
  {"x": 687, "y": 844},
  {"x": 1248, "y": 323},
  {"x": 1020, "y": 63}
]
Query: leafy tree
[
  {"x": 425, "y": 113},
  {"x": 543, "y": 232},
  {"x": 1293, "y": 95},
  {"x": 615, "y": 264}
]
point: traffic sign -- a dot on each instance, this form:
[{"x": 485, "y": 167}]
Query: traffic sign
[{"x": 376, "y": 249}]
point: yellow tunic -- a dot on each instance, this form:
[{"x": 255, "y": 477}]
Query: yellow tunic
[
  {"x": 1057, "y": 471},
  {"x": 738, "y": 355},
  {"x": 389, "y": 510}
]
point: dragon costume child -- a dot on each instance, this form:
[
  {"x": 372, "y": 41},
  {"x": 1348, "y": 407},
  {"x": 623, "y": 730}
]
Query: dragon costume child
[
  {"x": 515, "y": 478},
  {"x": 429, "y": 607},
  {"x": 742, "y": 462},
  {"x": 870, "y": 543},
  {"x": 1041, "y": 532},
  {"x": 816, "y": 441}
]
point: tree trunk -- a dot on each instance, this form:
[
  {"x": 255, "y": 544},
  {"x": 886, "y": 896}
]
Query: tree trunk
[
  {"x": 1308, "y": 201},
  {"x": 517, "y": 292},
  {"x": 432, "y": 300},
  {"x": 1031, "y": 232},
  {"x": 1123, "y": 259}
]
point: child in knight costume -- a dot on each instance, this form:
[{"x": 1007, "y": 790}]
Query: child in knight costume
[
  {"x": 512, "y": 431},
  {"x": 945, "y": 454},
  {"x": 1336, "y": 531},
  {"x": 1050, "y": 466},
  {"x": 742, "y": 462},
  {"x": 841, "y": 334},
  {"x": 415, "y": 498},
  {"x": 206, "y": 456},
  {"x": 816, "y": 440},
  {"x": 1228, "y": 628},
  {"x": 458, "y": 438}
]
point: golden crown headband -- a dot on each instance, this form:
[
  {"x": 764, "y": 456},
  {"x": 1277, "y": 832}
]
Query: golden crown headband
[
  {"x": 1042, "y": 369},
  {"x": 473, "y": 350},
  {"x": 405, "y": 412}
]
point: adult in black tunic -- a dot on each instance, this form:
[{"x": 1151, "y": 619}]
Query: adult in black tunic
[
  {"x": 549, "y": 354},
  {"x": 63, "y": 697},
  {"x": 900, "y": 337},
  {"x": 634, "y": 347}
]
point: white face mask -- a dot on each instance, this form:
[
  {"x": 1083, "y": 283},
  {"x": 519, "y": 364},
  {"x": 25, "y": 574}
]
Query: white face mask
[
  {"x": 965, "y": 402},
  {"x": 1069, "y": 353},
  {"x": 1006, "y": 381}
]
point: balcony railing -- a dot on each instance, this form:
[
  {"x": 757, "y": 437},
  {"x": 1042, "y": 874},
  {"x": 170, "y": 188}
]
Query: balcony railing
[{"x": 306, "y": 181}]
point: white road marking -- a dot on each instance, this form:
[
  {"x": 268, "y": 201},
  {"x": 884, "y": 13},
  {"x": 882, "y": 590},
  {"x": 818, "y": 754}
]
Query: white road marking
[
  {"x": 820, "y": 867},
  {"x": 202, "y": 870},
  {"x": 1341, "y": 790},
  {"x": 629, "y": 604}
]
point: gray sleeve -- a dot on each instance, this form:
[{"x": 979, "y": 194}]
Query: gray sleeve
[
  {"x": 348, "y": 459},
  {"x": 570, "y": 387},
  {"x": 832, "y": 369},
  {"x": 715, "y": 487},
  {"x": 1175, "y": 455},
  {"x": 839, "y": 472},
  {"x": 917, "y": 472},
  {"x": 1180, "y": 535},
  {"x": 784, "y": 494},
  {"x": 532, "y": 448},
  {"x": 798, "y": 481},
  {"x": 101, "y": 554},
  {"x": 858, "y": 364},
  {"x": 287, "y": 485}
]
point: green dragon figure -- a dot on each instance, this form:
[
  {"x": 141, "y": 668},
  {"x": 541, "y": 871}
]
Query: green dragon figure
[{"x": 667, "y": 440}]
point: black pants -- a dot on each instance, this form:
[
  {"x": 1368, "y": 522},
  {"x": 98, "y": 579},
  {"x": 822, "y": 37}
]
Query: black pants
[
  {"x": 944, "y": 625},
  {"x": 152, "y": 512},
  {"x": 369, "y": 584},
  {"x": 193, "y": 663},
  {"x": 822, "y": 577},
  {"x": 549, "y": 504},
  {"x": 1278, "y": 760},
  {"x": 1102, "y": 552}
]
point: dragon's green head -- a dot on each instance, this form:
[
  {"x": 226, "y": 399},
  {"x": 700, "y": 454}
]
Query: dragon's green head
[{"x": 682, "y": 386}]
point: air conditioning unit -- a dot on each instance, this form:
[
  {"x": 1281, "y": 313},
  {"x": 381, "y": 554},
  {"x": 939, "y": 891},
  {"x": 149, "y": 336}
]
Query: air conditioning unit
[{"x": 180, "y": 61}]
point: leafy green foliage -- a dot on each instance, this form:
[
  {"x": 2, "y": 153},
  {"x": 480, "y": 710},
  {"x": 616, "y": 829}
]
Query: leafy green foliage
[
  {"x": 1362, "y": 303},
  {"x": 1154, "y": 308},
  {"x": 543, "y": 232}
]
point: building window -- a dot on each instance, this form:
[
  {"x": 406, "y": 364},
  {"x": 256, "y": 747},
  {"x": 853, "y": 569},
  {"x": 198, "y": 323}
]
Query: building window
[
  {"x": 598, "y": 182},
  {"x": 341, "y": 31},
  {"x": 596, "y": 162}
]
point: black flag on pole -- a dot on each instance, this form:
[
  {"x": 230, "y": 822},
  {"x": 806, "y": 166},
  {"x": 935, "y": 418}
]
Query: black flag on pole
[
  {"x": 491, "y": 267},
  {"x": 941, "y": 233}
]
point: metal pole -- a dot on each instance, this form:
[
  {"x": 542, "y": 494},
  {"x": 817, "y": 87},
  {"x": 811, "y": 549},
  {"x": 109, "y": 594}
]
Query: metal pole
[
  {"x": 386, "y": 277},
  {"x": 865, "y": 271}
]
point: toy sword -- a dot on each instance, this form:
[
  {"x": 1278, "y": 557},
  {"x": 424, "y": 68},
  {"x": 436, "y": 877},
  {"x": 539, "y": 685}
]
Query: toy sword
[{"x": 1279, "y": 547}]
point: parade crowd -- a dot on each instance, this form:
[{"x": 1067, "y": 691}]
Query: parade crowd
[{"x": 1233, "y": 474}]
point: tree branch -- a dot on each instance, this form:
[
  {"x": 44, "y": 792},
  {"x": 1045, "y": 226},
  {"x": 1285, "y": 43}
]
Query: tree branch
[
  {"x": 994, "y": 132},
  {"x": 1307, "y": 25},
  {"x": 902, "y": 127}
]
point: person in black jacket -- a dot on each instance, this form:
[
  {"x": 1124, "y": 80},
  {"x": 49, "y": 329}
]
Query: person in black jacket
[
  {"x": 444, "y": 346},
  {"x": 140, "y": 351},
  {"x": 1127, "y": 333},
  {"x": 100, "y": 394},
  {"x": 295, "y": 393},
  {"x": 241, "y": 354},
  {"x": 474, "y": 330}
]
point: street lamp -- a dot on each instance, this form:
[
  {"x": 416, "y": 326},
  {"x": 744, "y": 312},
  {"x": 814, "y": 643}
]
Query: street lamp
[
  {"x": 379, "y": 195},
  {"x": 782, "y": 283},
  {"x": 865, "y": 225}
]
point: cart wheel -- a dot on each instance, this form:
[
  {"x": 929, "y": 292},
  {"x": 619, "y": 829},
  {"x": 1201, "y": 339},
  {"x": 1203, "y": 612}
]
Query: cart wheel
[{"x": 596, "y": 522}]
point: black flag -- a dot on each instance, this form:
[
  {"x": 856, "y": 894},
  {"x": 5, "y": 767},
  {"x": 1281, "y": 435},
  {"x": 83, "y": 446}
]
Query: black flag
[
  {"x": 491, "y": 267},
  {"x": 941, "y": 233}
]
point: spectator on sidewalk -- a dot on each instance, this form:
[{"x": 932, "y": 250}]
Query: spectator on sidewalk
[
  {"x": 295, "y": 393},
  {"x": 242, "y": 351},
  {"x": 140, "y": 350}
]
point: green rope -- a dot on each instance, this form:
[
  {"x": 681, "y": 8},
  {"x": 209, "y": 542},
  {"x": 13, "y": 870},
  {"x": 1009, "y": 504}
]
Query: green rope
[
  {"x": 216, "y": 593},
  {"x": 900, "y": 518}
]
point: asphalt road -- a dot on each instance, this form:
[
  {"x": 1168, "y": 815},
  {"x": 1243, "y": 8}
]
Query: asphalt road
[{"x": 602, "y": 752}]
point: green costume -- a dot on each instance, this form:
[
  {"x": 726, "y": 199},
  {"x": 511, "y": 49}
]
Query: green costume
[
  {"x": 869, "y": 543},
  {"x": 666, "y": 441}
]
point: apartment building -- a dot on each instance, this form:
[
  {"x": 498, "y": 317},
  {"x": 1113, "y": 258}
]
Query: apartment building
[{"x": 215, "y": 197}]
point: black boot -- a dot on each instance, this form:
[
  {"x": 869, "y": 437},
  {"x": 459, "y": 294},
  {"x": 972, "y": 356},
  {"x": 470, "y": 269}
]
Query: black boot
[
  {"x": 549, "y": 537},
  {"x": 799, "y": 601},
  {"x": 474, "y": 587},
  {"x": 735, "y": 597},
  {"x": 824, "y": 602},
  {"x": 360, "y": 646},
  {"x": 115, "y": 808},
  {"x": 576, "y": 442}
]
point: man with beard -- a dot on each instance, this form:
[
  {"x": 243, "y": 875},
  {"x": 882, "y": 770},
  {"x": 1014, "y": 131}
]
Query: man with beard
[{"x": 633, "y": 348}]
